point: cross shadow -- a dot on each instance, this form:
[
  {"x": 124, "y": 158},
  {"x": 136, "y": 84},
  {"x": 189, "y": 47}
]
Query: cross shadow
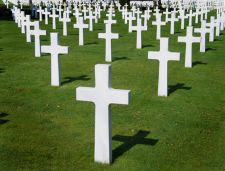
[
  {"x": 1, "y": 49},
  {"x": 198, "y": 63},
  {"x": 2, "y": 121},
  {"x": 120, "y": 58},
  {"x": 177, "y": 32},
  {"x": 131, "y": 141},
  {"x": 71, "y": 79},
  {"x": 2, "y": 70},
  {"x": 91, "y": 43},
  {"x": 148, "y": 45},
  {"x": 98, "y": 29},
  {"x": 218, "y": 39},
  {"x": 181, "y": 86},
  {"x": 210, "y": 49},
  {"x": 120, "y": 35}
]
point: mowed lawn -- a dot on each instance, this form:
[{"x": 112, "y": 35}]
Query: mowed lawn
[{"x": 45, "y": 128}]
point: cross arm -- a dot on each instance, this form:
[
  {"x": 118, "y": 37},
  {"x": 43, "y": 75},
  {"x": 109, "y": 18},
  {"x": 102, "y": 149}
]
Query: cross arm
[
  {"x": 119, "y": 96},
  {"x": 101, "y": 35},
  {"x": 153, "y": 55},
  {"x": 85, "y": 94}
]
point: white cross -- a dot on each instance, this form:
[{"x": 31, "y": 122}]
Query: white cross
[
  {"x": 103, "y": 95},
  {"x": 37, "y": 33},
  {"x": 130, "y": 18},
  {"x": 28, "y": 25},
  {"x": 90, "y": 17},
  {"x": 53, "y": 16},
  {"x": 189, "y": 39},
  {"x": 167, "y": 14},
  {"x": 108, "y": 36},
  {"x": 65, "y": 20},
  {"x": 23, "y": 20},
  {"x": 182, "y": 17},
  {"x": 190, "y": 15},
  {"x": 81, "y": 26},
  {"x": 139, "y": 28},
  {"x": 158, "y": 24},
  {"x": 60, "y": 10},
  {"x": 55, "y": 49},
  {"x": 172, "y": 20},
  {"x": 40, "y": 11},
  {"x": 146, "y": 17},
  {"x": 203, "y": 30},
  {"x": 164, "y": 55},
  {"x": 46, "y": 13},
  {"x": 212, "y": 26}
]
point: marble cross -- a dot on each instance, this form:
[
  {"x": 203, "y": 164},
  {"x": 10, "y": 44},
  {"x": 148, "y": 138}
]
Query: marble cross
[
  {"x": 108, "y": 36},
  {"x": 212, "y": 26},
  {"x": 81, "y": 26},
  {"x": 182, "y": 17},
  {"x": 158, "y": 24},
  {"x": 28, "y": 25},
  {"x": 163, "y": 56},
  {"x": 40, "y": 11},
  {"x": 139, "y": 28},
  {"x": 130, "y": 18},
  {"x": 46, "y": 13},
  {"x": 203, "y": 31},
  {"x": 189, "y": 39},
  {"x": 55, "y": 49},
  {"x": 103, "y": 95},
  {"x": 172, "y": 20},
  {"x": 65, "y": 20},
  {"x": 167, "y": 13},
  {"x": 37, "y": 33},
  {"x": 90, "y": 17},
  {"x": 53, "y": 16}
]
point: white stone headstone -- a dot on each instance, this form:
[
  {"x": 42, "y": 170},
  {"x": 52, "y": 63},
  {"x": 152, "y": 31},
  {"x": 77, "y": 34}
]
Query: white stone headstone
[
  {"x": 37, "y": 32},
  {"x": 108, "y": 36},
  {"x": 189, "y": 39},
  {"x": 55, "y": 49},
  {"x": 81, "y": 26},
  {"x": 163, "y": 56},
  {"x": 103, "y": 95}
]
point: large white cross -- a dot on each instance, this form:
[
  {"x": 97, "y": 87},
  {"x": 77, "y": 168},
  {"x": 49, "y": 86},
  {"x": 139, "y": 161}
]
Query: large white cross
[
  {"x": 65, "y": 20},
  {"x": 108, "y": 36},
  {"x": 139, "y": 28},
  {"x": 37, "y": 33},
  {"x": 55, "y": 49},
  {"x": 164, "y": 55},
  {"x": 189, "y": 39},
  {"x": 158, "y": 24},
  {"x": 81, "y": 26},
  {"x": 103, "y": 95},
  {"x": 203, "y": 31}
]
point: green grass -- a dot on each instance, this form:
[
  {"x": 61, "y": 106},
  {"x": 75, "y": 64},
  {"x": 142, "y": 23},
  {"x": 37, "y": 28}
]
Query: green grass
[{"x": 45, "y": 128}]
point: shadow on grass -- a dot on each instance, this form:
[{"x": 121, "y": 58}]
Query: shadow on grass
[
  {"x": 1, "y": 49},
  {"x": 2, "y": 121},
  {"x": 2, "y": 70},
  {"x": 72, "y": 79},
  {"x": 131, "y": 141},
  {"x": 148, "y": 45},
  {"x": 120, "y": 58},
  {"x": 210, "y": 49},
  {"x": 178, "y": 86},
  {"x": 198, "y": 63},
  {"x": 91, "y": 43}
]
